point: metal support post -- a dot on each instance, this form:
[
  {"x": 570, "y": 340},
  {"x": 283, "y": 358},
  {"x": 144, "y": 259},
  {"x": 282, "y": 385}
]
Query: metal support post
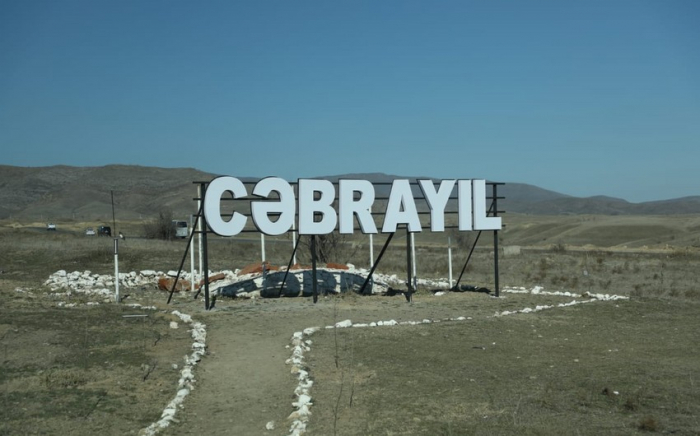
[
  {"x": 292, "y": 259},
  {"x": 495, "y": 241},
  {"x": 374, "y": 265},
  {"x": 371, "y": 246},
  {"x": 184, "y": 256},
  {"x": 413, "y": 255},
  {"x": 116, "y": 253},
  {"x": 116, "y": 270},
  {"x": 294, "y": 244},
  {"x": 200, "y": 201},
  {"x": 464, "y": 268},
  {"x": 449, "y": 259},
  {"x": 205, "y": 266},
  {"x": 262, "y": 247},
  {"x": 314, "y": 280},
  {"x": 409, "y": 265},
  {"x": 193, "y": 276}
]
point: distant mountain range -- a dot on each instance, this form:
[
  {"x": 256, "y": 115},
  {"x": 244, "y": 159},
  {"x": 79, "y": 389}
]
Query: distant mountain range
[{"x": 85, "y": 193}]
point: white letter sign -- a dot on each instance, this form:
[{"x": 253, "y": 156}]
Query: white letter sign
[
  {"x": 481, "y": 221},
  {"x": 317, "y": 214},
  {"x": 348, "y": 207},
  {"x": 286, "y": 206},
  {"x": 309, "y": 207},
  {"x": 212, "y": 206},
  {"x": 437, "y": 201},
  {"x": 464, "y": 189},
  {"x": 401, "y": 208}
]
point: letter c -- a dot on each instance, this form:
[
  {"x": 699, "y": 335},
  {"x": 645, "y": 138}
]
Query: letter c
[{"x": 212, "y": 206}]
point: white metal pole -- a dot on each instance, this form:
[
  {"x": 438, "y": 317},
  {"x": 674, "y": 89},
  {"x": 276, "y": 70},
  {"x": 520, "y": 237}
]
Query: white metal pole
[
  {"x": 193, "y": 277},
  {"x": 449, "y": 259},
  {"x": 413, "y": 255},
  {"x": 116, "y": 270},
  {"x": 294, "y": 243},
  {"x": 371, "y": 246},
  {"x": 262, "y": 246},
  {"x": 199, "y": 229}
]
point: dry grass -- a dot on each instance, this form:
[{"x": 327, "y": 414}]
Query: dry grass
[
  {"x": 83, "y": 371},
  {"x": 89, "y": 366},
  {"x": 600, "y": 368}
]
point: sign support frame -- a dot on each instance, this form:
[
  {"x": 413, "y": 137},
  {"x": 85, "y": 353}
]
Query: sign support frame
[{"x": 203, "y": 229}]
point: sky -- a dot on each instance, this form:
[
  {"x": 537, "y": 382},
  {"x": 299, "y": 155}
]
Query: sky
[{"x": 583, "y": 98}]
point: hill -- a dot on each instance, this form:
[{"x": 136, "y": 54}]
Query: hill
[{"x": 85, "y": 193}]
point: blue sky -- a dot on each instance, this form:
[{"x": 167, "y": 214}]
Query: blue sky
[{"x": 584, "y": 98}]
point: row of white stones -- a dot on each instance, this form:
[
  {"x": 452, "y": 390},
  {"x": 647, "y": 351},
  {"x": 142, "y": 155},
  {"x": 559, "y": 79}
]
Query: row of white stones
[
  {"x": 538, "y": 290},
  {"x": 187, "y": 380},
  {"x": 301, "y": 344}
]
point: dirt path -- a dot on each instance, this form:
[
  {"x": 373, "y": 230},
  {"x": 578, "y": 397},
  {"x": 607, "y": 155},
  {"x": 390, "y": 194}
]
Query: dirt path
[{"x": 244, "y": 383}]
